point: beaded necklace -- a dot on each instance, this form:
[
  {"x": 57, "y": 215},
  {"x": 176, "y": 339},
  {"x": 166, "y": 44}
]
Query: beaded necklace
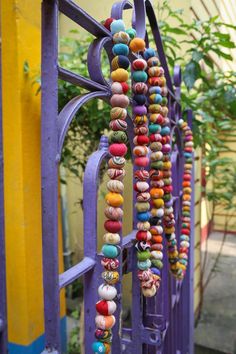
[{"x": 150, "y": 229}]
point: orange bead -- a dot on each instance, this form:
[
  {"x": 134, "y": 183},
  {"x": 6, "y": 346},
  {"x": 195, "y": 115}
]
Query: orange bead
[
  {"x": 157, "y": 239},
  {"x": 186, "y": 184},
  {"x": 186, "y": 197},
  {"x": 137, "y": 45},
  {"x": 114, "y": 199},
  {"x": 156, "y": 193}
]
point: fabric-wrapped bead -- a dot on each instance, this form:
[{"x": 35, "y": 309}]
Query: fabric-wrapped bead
[
  {"x": 139, "y": 64},
  {"x": 131, "y": 32},
  {"x": 149, "y": 292},
  {"x": 153, "y": 61},
  {"x": 119, "y": 87},
  {"x": 141, "y": 140},
  {"x": 144, "y": 265},
  {"x": 107, "y": 292},
  {"x": 117, "y": 26},
  {"x": 143, "y": 246},
  {"x": 143, "y": 235},
  {"x": 120, "y": 61},
  {"x": 141, "y": 130},
  {"x": 121, "y": 37},
  {"x": 141, "y": 161},
  {"x": 116, "y": 162},
  {"x": 140, "y": 120},
  {"x": 137, "y": 45},
  {"x": 113, "y": 226},
  {"x": 143, "y": 216},
  {"x": 110, "y": 278},
  {"x": 112, "y": 238},
  {"x": 141, "y": 186},
  {"x": 155, "y": 98},
  {"x": 103, "y": 334},
  {"x": 110, "y": 264},
  {"x": 143, "y": 256},
  {"x": 98, "y": 347},
  {"x": 143, "y": 197},
  {"x": 115, "y": 186},
  {"x": 113, "y": 213},
  {"x": 139, "y": 110},
  {"x": 119, "y": 100},
  {"x": 141, "y": 175},
  {"x": 118, "y": 124},
  {"x": 118, "y": 149},
  {"x": 120, "y": 49},
  {"x": 149, "y": 53},
  {"x": 140, "y": 150},
  {"x": 106, "y": 308},
  {"x": 114, "y": 199},
  {"x": 141, "y": 207},
  {"x": 110, "y": 251},
  {"x": 139, "y": 99},
  {"x": 118, "y": 137},
  {"x": 107, "y": 23},
  {"x": 143, "y": 226},
  {"x": 116, "y": 174},
  {"x": 118, "y": 113},
  {"x": 139, "y": 76},
  {"x": 140, "y": 88},
  {"x": 105, "y": 322}
]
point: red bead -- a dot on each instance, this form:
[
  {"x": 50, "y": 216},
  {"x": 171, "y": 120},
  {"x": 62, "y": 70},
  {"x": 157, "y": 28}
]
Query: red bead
[
  {"x": 155, "y": 137},
  {"x": 141, "y": 161},
  {"x": 168, "y": 189},
  {"x": 125, "y": 87},
  {"x": 185, "y": 231},
  {"x": 108, "y": 22},
  {"x": 118, "y": 149},
  {"x": 141, "y": 140},
  {"x": 187, "y": 177},
  {"x": 112, "y": 226},
  {"x": 142, "y": 236}
]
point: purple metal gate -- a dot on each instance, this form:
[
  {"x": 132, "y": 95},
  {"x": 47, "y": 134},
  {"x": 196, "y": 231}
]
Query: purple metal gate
[
  {"x": 3, "y": 311},
  {"x": 163, "y": 324}
]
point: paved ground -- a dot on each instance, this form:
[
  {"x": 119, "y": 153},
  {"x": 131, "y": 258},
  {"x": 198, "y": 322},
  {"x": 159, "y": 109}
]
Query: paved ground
[{"x": 216, "y": 329}]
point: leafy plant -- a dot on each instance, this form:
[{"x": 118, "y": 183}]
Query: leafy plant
[{"x": 74, "y": 344}]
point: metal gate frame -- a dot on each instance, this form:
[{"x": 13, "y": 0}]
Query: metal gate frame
[{"x": 160, "y": 325}]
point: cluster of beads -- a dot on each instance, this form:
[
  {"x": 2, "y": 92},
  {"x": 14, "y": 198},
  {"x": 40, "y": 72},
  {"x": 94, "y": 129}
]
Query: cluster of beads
[
  {"x": 107, "y": 291},
  {"x": 157, "y": 113},
  {"x": 179, "y": 259}
]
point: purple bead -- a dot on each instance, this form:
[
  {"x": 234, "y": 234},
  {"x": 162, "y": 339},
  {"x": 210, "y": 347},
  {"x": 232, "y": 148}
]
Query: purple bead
[
  {"x": 156, "y": 271},
  {"x": 166, "y": 148},
  {"x": 169, "y": 203},
  {"x": 139, "y": 110}
]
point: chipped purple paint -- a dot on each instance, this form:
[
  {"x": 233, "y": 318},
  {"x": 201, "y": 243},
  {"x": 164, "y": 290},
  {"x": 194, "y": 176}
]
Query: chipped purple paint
[{"x": 157, "y": 324}]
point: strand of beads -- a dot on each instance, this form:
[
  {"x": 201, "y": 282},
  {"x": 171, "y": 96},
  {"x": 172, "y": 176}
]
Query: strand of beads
[
  {"x": 179, "y": 259},
  {"x": 157, "y": 114},
  {"x": 141, "y": 161},
  {"x": 107, "y": 291}
]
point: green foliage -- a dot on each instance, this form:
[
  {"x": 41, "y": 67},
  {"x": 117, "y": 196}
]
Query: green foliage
[
  {"x": 74, "y": 344},
  {"x": 93, "y": 118}
]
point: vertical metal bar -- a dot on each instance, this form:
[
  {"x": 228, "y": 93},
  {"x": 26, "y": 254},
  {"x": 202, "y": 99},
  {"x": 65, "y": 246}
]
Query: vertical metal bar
[
  {"x": 3, "y": 305},
  {"x": 92, "y": 278},
  {"x": 49, "y": 167}
]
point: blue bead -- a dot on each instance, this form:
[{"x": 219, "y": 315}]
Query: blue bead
[
  {"x": 149, "y": 52},
  {"x": 143, "y": 216},
  {"x": 184, "y": 238},
  {"x": 187, "y": 154},
  {"x": 120, "y": 49},
  {"x": 165, "y": 131},
  {"x": 183, "y": 261},
  {"x": 98, "y": 347},
  {"x": 154, "y": 128},
  {"x": 143, "y": 265},
  {"x": 158, "y": 98},
  {"x": 110, "y": 251},
  {"x": 117, "y": 26},
  {"x": 154, "y": 89},
  {"x": 156, "y": 271},
  {"x": 139, "y": 76}
]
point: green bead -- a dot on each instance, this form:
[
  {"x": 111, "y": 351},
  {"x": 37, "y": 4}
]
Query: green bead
[
  {"x": 131, "y": 32},
  {"x": 139, "y": 76},
  {"x": 118, "y": 137},
  {"x": 164, "y": 101},
  {"x": 167, "y": 197},
  {"x": 157, "y": 263},
  {"x": 157, "y": 165},
  {"x": 154, "y": 128},
  {"x": 186, "y": 213},
  {"x": 143, "y": 256},
  {"x": 167, "y": 181}
]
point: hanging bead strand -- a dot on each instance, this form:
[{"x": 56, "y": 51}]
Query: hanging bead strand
[{"x": 107, "y": 291}]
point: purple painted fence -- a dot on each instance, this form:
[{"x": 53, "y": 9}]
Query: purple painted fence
[
  {"x": 3, "y": 312},
  {"x": 163, "y": 324}
]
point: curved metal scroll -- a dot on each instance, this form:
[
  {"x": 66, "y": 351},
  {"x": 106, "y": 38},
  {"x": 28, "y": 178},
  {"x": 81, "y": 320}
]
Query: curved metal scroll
[{"x": 154, "y": 328}]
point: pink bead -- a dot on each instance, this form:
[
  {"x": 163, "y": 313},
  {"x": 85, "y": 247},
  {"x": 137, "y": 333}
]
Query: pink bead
[
  {"x": 141, "y": 161},
  {"x": 118, "y": 149},
  {"x": 119, "y": 101}
]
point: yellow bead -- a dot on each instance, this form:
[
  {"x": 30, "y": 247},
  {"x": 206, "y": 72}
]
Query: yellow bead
[
  {"x": 137, "y": 45},
  {"x": 114, "y": 199},
  {"x": 158, "y": 203},
  {"x": 119, "y": 75}
]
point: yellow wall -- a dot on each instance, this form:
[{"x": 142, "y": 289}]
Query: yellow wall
[{"x": 21, "y": 40}]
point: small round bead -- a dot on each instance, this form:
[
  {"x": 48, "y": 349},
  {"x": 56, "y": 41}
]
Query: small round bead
[
  {"x": 118, "y": 149},
  {"x": 139, "y": 76},
  {"x": 120, "y": 61},
  {"x": 107, "y": 292},
  {"x": 139, "y": 110},
  {"x": 110, "y": 264},
  {"x": 105, "y": 307},
  {"x": 140, "y": 88},
  {"x": 118, "y": 113},
  {"x": 115, "y": 186},
  {"x": 112, "y": 226},
  {"x": 105, "y": 322},
  {"x": 110, "y": 278},
  {"x": 98, "y": 347},
  {"x": 153, "y": 61},
  {"x": 121, "y": 37},
  {"x": 139, "y": 99},
  {"x": 117, "y": 26},
  {"x": 137, "y": 45},
  {"x": 149, "y": 53},
  {"x": 120, "y": 49},
  {"x": 118, "y": 137},
  {"x": 131, "y": 32},
  {"x": 119, "y": 75},
  {"x": 143, "y": 265},
  {"x": 114, "y": 199},
  {"x": 107, "y": 23},
  {"x": 110, "y": 251},
  {"x": 118, "y": 124},
  {"x": 139, "y": 64},
  {"x": 111, "y": 238}
]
